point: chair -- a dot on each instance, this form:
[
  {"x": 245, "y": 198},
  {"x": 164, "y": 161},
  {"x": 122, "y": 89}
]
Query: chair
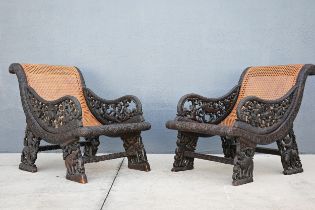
[
  {"x": 60, "y": 109},
  {"x": 260, "y": 110}
]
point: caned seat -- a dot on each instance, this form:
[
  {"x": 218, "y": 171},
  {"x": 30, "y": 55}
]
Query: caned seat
[
  {"x": 259, "y": 110},
  {"x": 60, "y": 109}
]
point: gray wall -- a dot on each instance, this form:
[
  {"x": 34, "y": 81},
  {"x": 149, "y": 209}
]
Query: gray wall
[{"x": 158, "y": 50}]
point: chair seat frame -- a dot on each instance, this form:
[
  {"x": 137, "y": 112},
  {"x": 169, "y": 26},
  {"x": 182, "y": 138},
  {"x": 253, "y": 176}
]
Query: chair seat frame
[
  {"x": 259, "y": 122},
  {"x": 59, "y": 122}
]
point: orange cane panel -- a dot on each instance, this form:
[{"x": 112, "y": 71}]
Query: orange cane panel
[
  {"x": 266, "y": 82},
  {"x": 53, "y": 82}
]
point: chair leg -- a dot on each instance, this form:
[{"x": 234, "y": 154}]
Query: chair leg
[
  {"x": 29, "y": 152},
  {"x": 74, "y": 163},
  {"x": 243, "y": 164},
  {"x": 289, "y": 154},
  {"x": 137, "y": 158},
  {"x": 91, "y": 146},
  {"x": 185, "y": 142},
  {"x": 228, "y": 146}
]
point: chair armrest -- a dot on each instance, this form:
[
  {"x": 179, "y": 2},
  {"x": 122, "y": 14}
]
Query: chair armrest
[
  {"x": 56, "y": 116},
  {"x": 126, "y": 109},
  {"x": 264, "y": 114},
  {"x": 206, "y": 110}
]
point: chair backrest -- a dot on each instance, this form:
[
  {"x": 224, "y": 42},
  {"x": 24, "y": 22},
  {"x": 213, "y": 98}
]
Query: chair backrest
[
  {"x": 53, "y": 82},
  {"x": 266, "y": 82}
]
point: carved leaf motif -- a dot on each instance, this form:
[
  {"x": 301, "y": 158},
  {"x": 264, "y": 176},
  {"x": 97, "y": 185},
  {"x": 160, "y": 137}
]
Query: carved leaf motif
[
  {"x": 112, "y": 112},
  {"x": 208, "y": 111},
  {"x": 53, "y": 115},
  {"x": 260, "y": 114}
]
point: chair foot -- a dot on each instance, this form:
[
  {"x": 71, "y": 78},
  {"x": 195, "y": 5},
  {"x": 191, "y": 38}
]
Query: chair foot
[
  {"x": 74, "y": 163},
  {"x": 293, "y": 171},
  {"x": 141, "y": 166},
  {"x": 137, "y": 158},
  {"x": 80, "y": 178},
  {"x": 29, "y": 152},
  {"x": 242, "y": 181},
  {"x": 176, "y": 169},
  {"x": 289, "y": 154},
  {"x": 243, "y": 164},
  {"x": 29, "y": 168},
  {"x": 185, "y": 142}
]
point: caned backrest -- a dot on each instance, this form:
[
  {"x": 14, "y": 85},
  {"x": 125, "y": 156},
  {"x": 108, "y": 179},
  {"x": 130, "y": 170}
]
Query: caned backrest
[
  {"x": 53, "y": 82},
  {"x": 266, "y": 82}
]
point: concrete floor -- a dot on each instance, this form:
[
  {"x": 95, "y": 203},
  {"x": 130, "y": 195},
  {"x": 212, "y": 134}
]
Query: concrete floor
[{"x": 113, "y": 186}]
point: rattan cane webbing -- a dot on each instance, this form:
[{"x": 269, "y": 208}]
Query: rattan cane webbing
[
  {"x": 266, "y": 82},
  {"x": 53, "y": 82}
]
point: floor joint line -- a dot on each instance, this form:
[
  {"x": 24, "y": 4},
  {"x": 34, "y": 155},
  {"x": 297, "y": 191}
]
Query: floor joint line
[{"x": 111, "y": 186}]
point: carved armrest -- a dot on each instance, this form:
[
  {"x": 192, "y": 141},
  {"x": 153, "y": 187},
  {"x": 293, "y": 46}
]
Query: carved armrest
[
  {"x": 56, "y": 116},
  {"x": 126, "y": 109},
  {"x": 262, "y": 113},
  {"x": 193, "y": 107}
]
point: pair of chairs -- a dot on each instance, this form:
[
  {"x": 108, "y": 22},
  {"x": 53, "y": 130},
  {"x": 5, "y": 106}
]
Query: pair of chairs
[{"x": 259, "y": 110}]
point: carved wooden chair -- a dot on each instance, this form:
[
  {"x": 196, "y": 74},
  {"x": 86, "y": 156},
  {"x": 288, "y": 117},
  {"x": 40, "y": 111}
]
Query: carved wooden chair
[
  {"x": 259, "y": 110},
  {"x": 60, "y": 109}
]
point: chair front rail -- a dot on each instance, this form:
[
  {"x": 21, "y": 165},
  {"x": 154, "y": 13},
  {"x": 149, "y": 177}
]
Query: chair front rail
[
  {"x": 95, "y": 159},
  {"x": 209, "y": 157},
  {"x": 56, "y": 146},
  {"x": 269, "y": 151}
]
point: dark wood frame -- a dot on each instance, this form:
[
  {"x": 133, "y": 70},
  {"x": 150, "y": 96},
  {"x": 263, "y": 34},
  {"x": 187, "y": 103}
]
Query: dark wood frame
[
  {"x": 59, "y": 123},
  {"x": 239, "y": 142}
]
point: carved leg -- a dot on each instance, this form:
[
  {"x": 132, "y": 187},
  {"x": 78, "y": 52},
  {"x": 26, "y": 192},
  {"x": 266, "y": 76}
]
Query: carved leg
[
  {"x": 74, "y": 163},
  {"x": 29, "y": 152},
  {"x": 185, "y": 142},
  {"x": 289, "y": 154},
  {"x": 91, "y": 146},
  {"x": 243, "y": 164},
  {"x": 137, "y": 158},
  {"x": 228, "y": 146}
]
